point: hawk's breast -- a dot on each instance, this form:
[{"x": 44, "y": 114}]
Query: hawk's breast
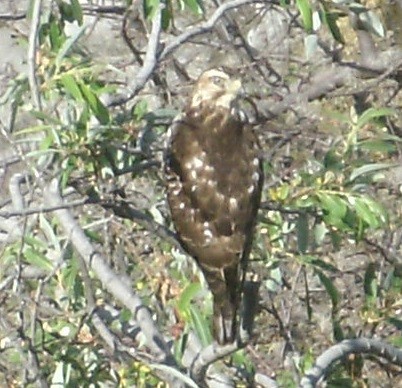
[{"x": 214, "y": 179}]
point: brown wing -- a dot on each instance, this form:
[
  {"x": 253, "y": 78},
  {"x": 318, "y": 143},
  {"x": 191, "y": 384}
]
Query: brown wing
[{"x": 214, "y": 184}]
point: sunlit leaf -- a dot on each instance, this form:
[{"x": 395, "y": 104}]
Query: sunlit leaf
[
  {"x": 306, "y": 14},
  {"x": 68, "y": 44},
  {"x": 71, "y": 86},
  {"x": 370, "y": 168},
  {"x": 365, "y": 213},
  {"x": 334, "y": 206},
  {"x": 96, "y": 106},
  {"x": 201, "y": 325},
  {"x": 194, "y": 5},
  {"x": 186, "y": 297},
  {"x": 38, "y": 259}
]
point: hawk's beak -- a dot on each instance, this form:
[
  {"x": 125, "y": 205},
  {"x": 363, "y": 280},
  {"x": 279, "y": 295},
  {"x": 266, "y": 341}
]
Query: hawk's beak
[{"x": 234, "y": 87}]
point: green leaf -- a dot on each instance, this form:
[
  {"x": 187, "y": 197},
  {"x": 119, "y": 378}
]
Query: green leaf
[
  {"x": 48, "y": 230},
  {"x": 370, "y": 168},
  {"x": 337, "y": 331},
  {"x": 150, "y": 8},
  {"x": 66, "y": 11},
  {"x": 365, "y": 213},
  {"x": 77, "y": 11},
  {"x": 56, "y": 36},
  {"x": 302, "y": 233},
  {"x": 329, "y": 287},
  {"x": 187, "y": 296},
  {"x": 194, "y": 6},
  {"x": 372, "y": 113},
  {"x": 35, "y": 242},
  {"x": 68, "y": 44},
  {"x": 166, "y": 18},
  {"x": 323, "y": 264},
  {"x": 332, "y": 204},
  {"x": 381, "y": 146},
  {"x": 370, "y": 282},
  {"x": 38, "y": 259},
  {"x": 71, "y": 86},
  {"x": 395, "y": 322},
  {"x": 334, "y": 208},
  {"x": 306, "y": 14},
  {"x": 96, "y": 106},
  {"x": 140, "y": 110},
  {"x": 329, "y": 19},
  {"x": 200, "y": 325}
]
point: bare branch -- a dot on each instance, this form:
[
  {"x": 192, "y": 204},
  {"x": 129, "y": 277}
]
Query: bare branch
[
  {"x": 32, "y": 47},
  {"x": 343, "y": 349},
  {"x": 116, "y": 285},
  {"x": 150, "y": 61},
  {"x": 205, "y": 27},
  {"x": 10, "y": 16},
  {"x": 42, "y": 209}
]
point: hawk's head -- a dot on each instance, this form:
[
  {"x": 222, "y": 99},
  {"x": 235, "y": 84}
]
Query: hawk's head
[{"x": 215, "y": 88}]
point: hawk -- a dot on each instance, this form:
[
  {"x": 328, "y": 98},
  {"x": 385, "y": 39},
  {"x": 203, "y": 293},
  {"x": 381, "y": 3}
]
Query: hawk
[{"x": 213, "y": 182}]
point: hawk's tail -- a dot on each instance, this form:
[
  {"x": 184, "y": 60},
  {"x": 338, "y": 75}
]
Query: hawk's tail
[{"x": 225, "y": 287}]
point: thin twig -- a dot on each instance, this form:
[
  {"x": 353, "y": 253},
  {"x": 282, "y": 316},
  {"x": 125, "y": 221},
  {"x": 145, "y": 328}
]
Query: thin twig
[
  {"x": 206, "y": 26},
  {"x": 150, "y": 60},
  {"x": 32, "y": 51},
  {"x": 10, "y": 16},
  {"x": 42, "y": 209}
]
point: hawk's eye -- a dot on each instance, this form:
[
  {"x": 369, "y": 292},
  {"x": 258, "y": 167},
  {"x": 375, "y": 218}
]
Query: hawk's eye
[{"x": 218, "y": 81}]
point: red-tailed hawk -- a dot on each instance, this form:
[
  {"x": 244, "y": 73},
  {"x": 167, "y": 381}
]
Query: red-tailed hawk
[{"x": 214, "y": 180}]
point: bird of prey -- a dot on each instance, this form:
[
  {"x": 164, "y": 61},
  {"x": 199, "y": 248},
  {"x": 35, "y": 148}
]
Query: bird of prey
[{"x": 213, "y": 183}]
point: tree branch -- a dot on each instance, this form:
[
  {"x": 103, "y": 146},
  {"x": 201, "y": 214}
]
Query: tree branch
[
  {"x": 32, "y": 47},
  {"x": 116, "y": 285},
  {"x": 343, "y": 349}
]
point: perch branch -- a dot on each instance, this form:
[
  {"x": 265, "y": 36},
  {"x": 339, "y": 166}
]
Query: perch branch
[{"x": 343, "y": 349}]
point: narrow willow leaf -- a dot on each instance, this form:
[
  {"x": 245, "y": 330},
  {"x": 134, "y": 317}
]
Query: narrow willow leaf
[
  {"x": 302, "y": 233},
  {"x": 96, "y": 106},
  {"x": 187, "y": 296},
  {"x": 370, "y": 282},
  {"x": 200, "y": 325},
  {"x": 71, "y": 86},
  {"x": 68, "y": 44},
  {"x": 306, "y": 14},
  {"x": 38, "y": 259},
  {"x": 329, "y": 287},
  {"x": 369, "y": 168},
  {"x": 372, "y": 113}
]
